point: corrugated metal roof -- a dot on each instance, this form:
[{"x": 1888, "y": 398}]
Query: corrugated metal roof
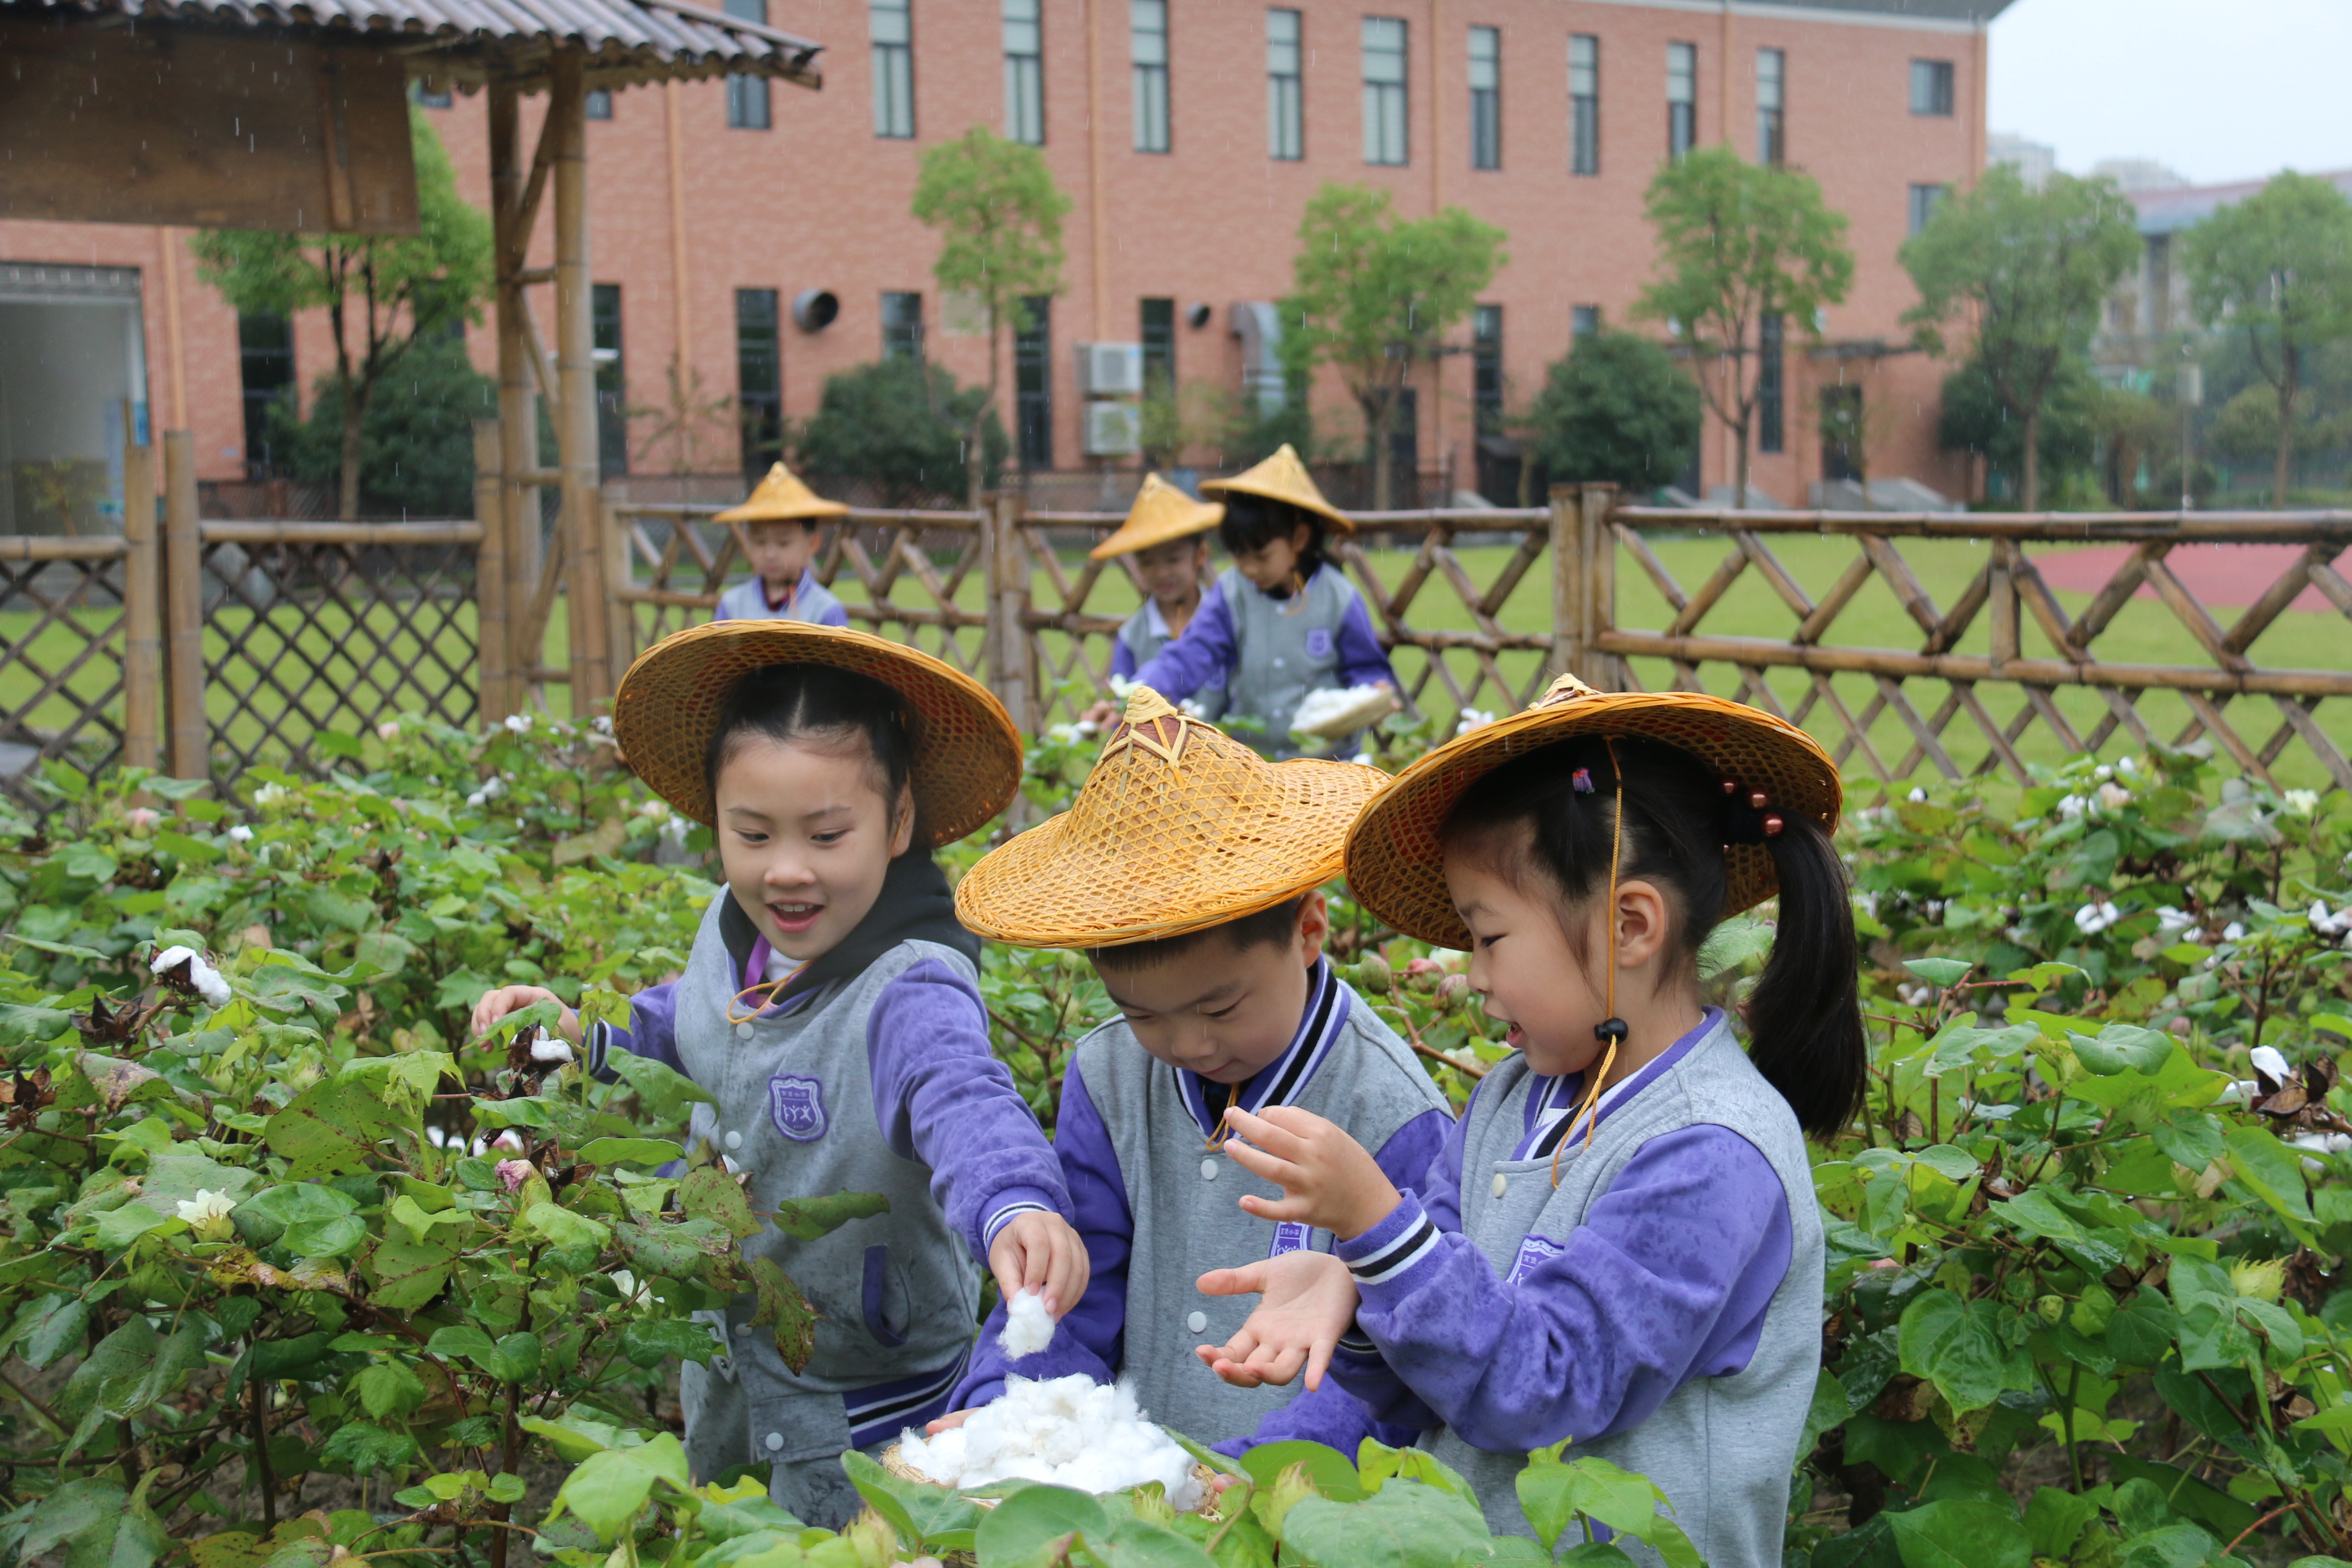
[
  {"x": 2170, "y": 211},
  {"x": 470, "y": 41}
]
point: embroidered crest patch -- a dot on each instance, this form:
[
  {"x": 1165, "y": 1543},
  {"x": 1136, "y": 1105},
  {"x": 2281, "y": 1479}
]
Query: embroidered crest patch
[
  {"x": 1533, "y": 1251},
  {"x": 1318, "y": 642},
  {"x": 1289, "y": 1235},
  {"x": 796, "y": 1105}
]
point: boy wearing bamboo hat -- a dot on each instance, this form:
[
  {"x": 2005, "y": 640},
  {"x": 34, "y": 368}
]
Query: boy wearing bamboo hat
[
  {"x": 780, "y": 523},
  {"x": 1167, "y": 531},
  {"x": 1189, "y": 871}
]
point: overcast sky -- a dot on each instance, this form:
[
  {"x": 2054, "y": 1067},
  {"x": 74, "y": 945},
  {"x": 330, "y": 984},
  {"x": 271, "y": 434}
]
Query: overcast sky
[{"x": 2220, "y": 90}]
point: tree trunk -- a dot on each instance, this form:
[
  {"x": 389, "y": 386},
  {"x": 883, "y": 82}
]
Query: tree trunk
[
  {"x": 347, "y": 503},
  {"x": 2031, "y": 497},
  {"x": 1383, "y": 412},
  {"x": 975, "y": 464},
  {"x": 2290, "y": 382},
  {"x": 1739, "y": 469}
]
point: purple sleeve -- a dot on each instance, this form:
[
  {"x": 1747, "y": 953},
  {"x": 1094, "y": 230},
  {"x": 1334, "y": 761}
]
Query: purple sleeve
[
  {"x": 1087, "y": 1340},
  {"x": 942, "y": 1098},
  {"x": 652, "y": 1032},
  {"x": 1362, "y": 660},
  {"x": 1411, "y": 1149},
  {"x": 1122, "y": 660},
  {"x": 1198, "y": 657},
  {"x": 834, "y": 615},
  {"x": 1667, "y": 1279}
]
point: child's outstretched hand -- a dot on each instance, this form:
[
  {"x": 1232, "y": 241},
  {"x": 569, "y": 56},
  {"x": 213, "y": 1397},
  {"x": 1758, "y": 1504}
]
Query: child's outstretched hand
[
  {"x": 1309, "y": 1299},
  {"x": 1327, "y": 1180},
  {"x": 1038, "y": 1251},
  {"x": 509, "y": 999}
]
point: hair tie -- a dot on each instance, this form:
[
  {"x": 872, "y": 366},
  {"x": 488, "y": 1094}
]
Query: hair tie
[
  {"x": 1749, "y": 816},
  {"x": 1581, "y": 781}
]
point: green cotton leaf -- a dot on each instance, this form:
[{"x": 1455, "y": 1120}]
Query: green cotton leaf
[
  {"x": 658, "y": 1250},
  {"x": 1018, "y": 1529},
  {"x": 289, "y": 1358},
  {"x": 389, "y": 1388},
  {"x": 649, "y": 1341},
  {"x": 1327, "y": 1469},
  {"x": 361, "y": 1448},
  {"x": 20, "y": 1023},
  {"x": 117, "y": 1228},
  {"x": 264, "y": 1218},
  {"x": 385, "y": 953},
  {"x": 2170, "y": 1546},
  {"x": 713, "y": 1195},
  {"x": 2212, "y": 1337},
  {"x": 2034, "y": 1212},
  {"x": 1628, "y": 1504},
  {"x": 2191, "y": 1138},
  {"x": 407, "y": 1081},
  {"x": 812, "y": 1218},
  {"x": 1952, "y": 1164},
  {"x": 176, "y": 1177},
  {"x": 918, "y": 1510},
  {"x": 1960, "y": 1533},
  {"x": 404, "y": 1275},
  {"x": 1377, "y": 1462},
  {"x": 629, "y": 1151},
  {"x": 411, "y": 1216},
  {"x": 2042, "y": 976},
  {"x": 667, "y": 1094},
  {"x": 2275, "y": 1172},
  {"x": 98, "y": 1524},
  {"x": 57, "y": 1328},
  {"x": 2334, "y": 1418},
  {"x": 1939, "y": 971},
  {"x": 333, "y": 907},
  {"x": 610, "y": 1488},
  {"x": 1965, "y": 1046},
  {"x": 2122, "y": 1048},
  {"x": 2055, "y": 1519},
  {"x": 1734, "y": 944},
  {"x": 326, "y": 1238},
  {"x": 783, "y": 1307},
  {"x": 573, "y": 1436},
  {"x": 564, "y": 1228},
  {"x": 1958, "y": 1346},
  {"x": 1402, "y": 1525},
  {"x": 330, "y": 1128},
  {"x": 2277, "y": 1325}
]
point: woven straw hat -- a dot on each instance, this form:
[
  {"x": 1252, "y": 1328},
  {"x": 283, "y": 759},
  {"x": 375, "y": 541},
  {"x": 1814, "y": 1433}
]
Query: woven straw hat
[
  {"x": 1179, "y": 828},
  {"x": 781, "y": 497},
  {"x": 968, "y": 755},
  {"x": 1283, "y": 478},
  {"x": 1396, "y": 863},
  {"x": 1161, "y": 512}
]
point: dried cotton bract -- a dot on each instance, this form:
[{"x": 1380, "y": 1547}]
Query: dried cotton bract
[
  {"x": 1028, "y": 1328},
  {"x": 1068, "y": 1432}
]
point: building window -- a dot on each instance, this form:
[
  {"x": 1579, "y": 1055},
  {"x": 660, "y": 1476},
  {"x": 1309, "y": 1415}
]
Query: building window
[
  {"x": 1024, "y": 73},
  {"x": 611, "y": 379},
  {"x": 890, "y": 32},
  {"x": 1583, "y": 104},
  {"x": 1486, "y": 98},
  {"x": 265, "y": 353},
  {"x": 1842, "y": 433},
  {"x": 1147, "y": 43},
  {"x": 1385, "y": 91},
  {"x": 1033, "y": 380},
  {"x": 1486, "y": 367},
  {"x": 1158, "y": 338},
  {"x": 902, "y": 325},
  {"x": 1772, "y": 419},
  {"x": 1931, "y": 86},
  {"x": 426, "y": 96},
  {"x": 1583, "y": 321},
  {"x": 758, "y": 379},
  {"x": 1682, "y": 99},
  {"x": 1925, "y": 200},
  {"x": 747, "y": 96},
  {"x": 1771, "y": 101},
  {"x": 1286, "y": 119},
  {"x": 600, "y": 105}
]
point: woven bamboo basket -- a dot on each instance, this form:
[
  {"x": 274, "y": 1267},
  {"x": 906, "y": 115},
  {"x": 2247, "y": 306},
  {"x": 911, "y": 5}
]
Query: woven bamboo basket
[{"x": 899, "y": 1467}]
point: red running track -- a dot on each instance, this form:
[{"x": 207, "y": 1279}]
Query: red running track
[{"x": 2233, "y": 575}]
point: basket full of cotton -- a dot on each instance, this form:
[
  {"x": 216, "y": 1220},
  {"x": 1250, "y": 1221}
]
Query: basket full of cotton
[{"x": 1065, "y": 1431}]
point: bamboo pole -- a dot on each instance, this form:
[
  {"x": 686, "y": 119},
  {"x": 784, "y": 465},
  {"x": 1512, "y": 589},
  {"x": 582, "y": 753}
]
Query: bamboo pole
[
  {"x": 49, "y": 547},
  {"x": 617, "y": 574},
  {"x": 518, "y": 513},
  {"x": 1599, "y": 542},
  {"x": 1569, "y": 651},
  {"x": 587, "y": 611},
  {"x": 184, "y": 610},
  {"x": 495, "y": 699},
  {"x": 143, "y": 610},
  {"x": 392, "y": 534}
]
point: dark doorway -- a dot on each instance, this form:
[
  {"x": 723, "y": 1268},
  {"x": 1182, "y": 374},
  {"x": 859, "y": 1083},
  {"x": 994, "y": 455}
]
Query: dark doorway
[{"x": 1842, "y": 431}]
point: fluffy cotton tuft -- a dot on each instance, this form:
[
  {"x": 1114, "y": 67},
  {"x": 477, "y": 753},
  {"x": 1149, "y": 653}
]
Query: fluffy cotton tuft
[
  {"x": 202, "y": 975},
  {"x": 1068, "y": 1432},
  {"x": 2270, "y": 1064},
  {"x": 548, "y": 1049},
  {"x": 1331, "y": 712},
  {"x": 1028, "y": 1328}
]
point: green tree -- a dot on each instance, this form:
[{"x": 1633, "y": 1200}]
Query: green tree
[
  {"x": 2277, "y": 267},
  {"x": 1976, "y": 418},
  {"x": 416, "y": 442},
  {"x": 1000, "y": 220},
  {"x": 1616, "y": 410},
  {"x": 384, "y": 294},
  {"x": 1741, "y": 245},
  {"x": 1374, "y": 295},
  {"x": 904, "y": 427},
  {"x": 2028, "y": 270}
]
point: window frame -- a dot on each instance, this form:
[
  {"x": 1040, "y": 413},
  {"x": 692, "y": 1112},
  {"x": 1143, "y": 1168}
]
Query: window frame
[
  {"x": 1682, "y": 99},
  {"x": 1032, "y": 385},
  {"x": 1155, "y": 323},
  {"x": 892, "y": 62},
  {"x": 1285, "y": 89},
  {"x": 1772, "y": 117},
  {"x": 1584, "y": 108},
  {"x": 1025, "y": 71},
  {"x": 1387, "y": 102},
  {"x": 1940, "y": 81},
  {"x": 1583, "y": 321},
  {"x": 1772, "y": 383},
  {"x": 762, "y": 425},
  {"x": 1925, "y": 197},
  {"x": 1487, "y": 386},
  {"x": 749, "y": 106},
  {"x": 1153, "y": 112},
  {"x": 1487, "y": 100},
  {"x": 266, "y": 379},
  {"x": 902, "y": 339},
  {"x": 607, "y": 352},
  {"x": 598, "y": 104}
]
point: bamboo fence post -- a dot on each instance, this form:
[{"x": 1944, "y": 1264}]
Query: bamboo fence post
[
  {"x": 1569, "y": 599},
  {"x": 495, "y": 698},
  {"x": 1008, "y": 633},
  {"x": 518, "y": 513},
  {"x": 617, "y": 573},
  {"x": 1598, "y": 544},
  {"x": 184, "y": 610},
  {"x": 583, "y": 550},
  {"x": 143, "y": 611}
]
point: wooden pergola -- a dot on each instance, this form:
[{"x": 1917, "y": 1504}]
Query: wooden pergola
[{"x": 291, "y": 114}]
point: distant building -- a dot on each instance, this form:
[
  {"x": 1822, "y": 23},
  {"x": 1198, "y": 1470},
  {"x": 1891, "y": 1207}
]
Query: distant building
[
  {"x": 2136, "y": 175},
  {"x": 2034, "y": 161}
]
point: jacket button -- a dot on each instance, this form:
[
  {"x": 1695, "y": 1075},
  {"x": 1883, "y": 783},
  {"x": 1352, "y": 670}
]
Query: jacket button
[
  {"x": 1209, "y": 1170},
  {"x": 1197, "y": 1322},
  {"x": 735, "y": 1140},
  {"x": 743, "y": 1031},
  {"x": 774, "y": 1441},
  {"x": 1502, "y": 1183}
]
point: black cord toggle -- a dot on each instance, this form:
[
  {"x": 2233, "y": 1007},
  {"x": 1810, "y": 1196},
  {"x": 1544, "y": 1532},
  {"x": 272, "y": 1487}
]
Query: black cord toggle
[{"x": 1611, "y": 1033}]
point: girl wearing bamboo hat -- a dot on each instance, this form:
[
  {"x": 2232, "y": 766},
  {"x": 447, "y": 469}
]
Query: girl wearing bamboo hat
[
  {"x": 782, "y": 522},
  {"x": 831, "y": 1007},
  {"x": 1167, "y": 533},
  {"x": 1281, "y": 622},
  {"x": 1619, "y": 1243}
]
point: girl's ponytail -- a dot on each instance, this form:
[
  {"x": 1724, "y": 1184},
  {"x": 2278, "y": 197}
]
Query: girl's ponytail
[{"x": 1805, "y": 1015}]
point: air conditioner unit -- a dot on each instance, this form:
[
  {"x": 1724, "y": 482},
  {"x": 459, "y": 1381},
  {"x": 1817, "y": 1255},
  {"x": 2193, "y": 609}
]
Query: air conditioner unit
[
  {"x": 1110, "y": 370},
  {"x": 1114, "y": 430}
]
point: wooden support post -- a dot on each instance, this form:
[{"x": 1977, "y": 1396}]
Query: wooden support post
[
  {"x": 143, "y": 611},
  {"x": 494, "y": 678},
  {"x": 2002, "y": 604},
  {"x": 1599, "y": 546},
  {"x": 518, "y": 511},
  {"x": 575, "y": 428},
  {"x": 1569, "y": 598},
  {"x": 613, "y": 530},
  {"x": 184, "y": 611},
  {"x": 1008, "y": 635}
]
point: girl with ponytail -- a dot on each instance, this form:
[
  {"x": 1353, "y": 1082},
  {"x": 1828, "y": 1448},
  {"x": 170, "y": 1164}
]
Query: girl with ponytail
[{"x": 1618, "y": 1246}]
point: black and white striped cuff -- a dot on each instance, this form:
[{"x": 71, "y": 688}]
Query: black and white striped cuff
[
  {"x": 1357, "y": 1343},
  {"x": 1397, "y": 1256},
  {"x": 1003, "y": 1216}
]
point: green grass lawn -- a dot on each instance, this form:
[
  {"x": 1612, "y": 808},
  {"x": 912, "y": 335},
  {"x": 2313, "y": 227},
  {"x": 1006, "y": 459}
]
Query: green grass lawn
[{"x": 332, "y": 672}]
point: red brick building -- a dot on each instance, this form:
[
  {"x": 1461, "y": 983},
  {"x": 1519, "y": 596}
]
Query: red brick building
[{"x": 1188, "y": 135}]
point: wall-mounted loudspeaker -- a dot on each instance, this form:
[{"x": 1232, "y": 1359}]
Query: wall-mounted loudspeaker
[
  {"x": 814, "y": 308},
  {"x": 1197, "y": 316}
]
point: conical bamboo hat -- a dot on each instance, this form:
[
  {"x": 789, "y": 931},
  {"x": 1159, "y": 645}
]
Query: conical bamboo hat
[
  {"x": 1179, "y": 828},
  {"x": 781, "y": 497},
  {"x": 1161, "y": 512},
  {"x": 1396, "y": 860},
  {"x": 1283, "y": 478}
]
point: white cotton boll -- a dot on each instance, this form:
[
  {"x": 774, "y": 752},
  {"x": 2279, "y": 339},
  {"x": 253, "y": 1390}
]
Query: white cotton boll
[
  {"x": 477, "y": 798},
  {"x": 1028, "y": 1328},
  {"x": 240, "y": 834},
  {"x": 548, "y": 1049},
  {"x": 202, "y": 975},
  {"x": 517, "y": 723},
  {"x": 2270, "y": 1064},
  {"x": 2234, "y": 931}
]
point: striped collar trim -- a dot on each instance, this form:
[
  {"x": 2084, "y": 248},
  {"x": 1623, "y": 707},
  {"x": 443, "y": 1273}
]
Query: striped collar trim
[{"x": 1282, "y": 1081}]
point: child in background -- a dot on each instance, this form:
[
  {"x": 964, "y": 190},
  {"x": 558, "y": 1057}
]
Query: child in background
[
  {"x": 1282, "y": 621},
  {"x": 1167, "y": 531},
  {"x": 1619, "y": 1243},
  {"x": 781, "y": 528},
  {"x": 831, "y": 1006},
  {"x": 1189, "y": 871}
]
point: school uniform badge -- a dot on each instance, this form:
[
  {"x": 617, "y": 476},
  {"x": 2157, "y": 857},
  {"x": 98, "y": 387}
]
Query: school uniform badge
[
  {"x": 796, "y": 1105},
  {"x": 1533, "y": 1252},
  {"x": 1318, "y": 642}
]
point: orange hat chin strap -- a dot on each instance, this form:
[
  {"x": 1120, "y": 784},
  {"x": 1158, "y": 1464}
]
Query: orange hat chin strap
[{"x": 1614, "y": 1030}]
